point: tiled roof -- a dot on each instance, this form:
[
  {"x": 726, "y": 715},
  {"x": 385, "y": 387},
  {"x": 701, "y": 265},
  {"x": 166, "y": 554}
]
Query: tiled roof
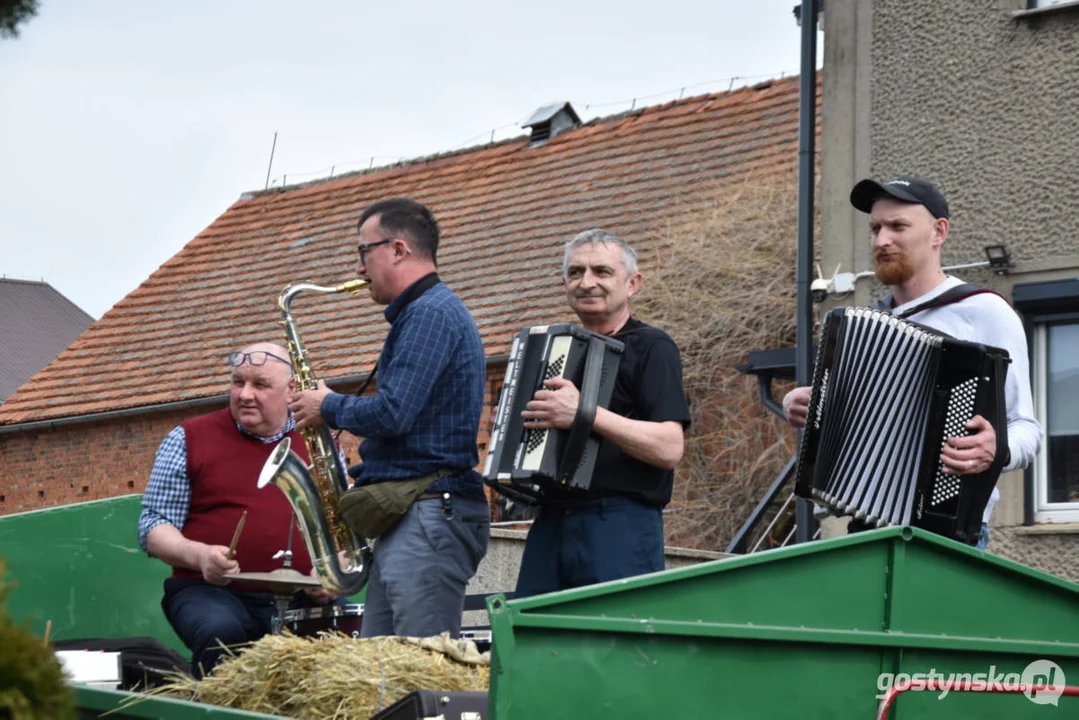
[
  {"x": 504, "y": 209},
  {"x": 36, "y": 323}
]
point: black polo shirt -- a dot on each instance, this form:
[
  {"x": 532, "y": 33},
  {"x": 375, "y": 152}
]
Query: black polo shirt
[{"x": 648, "y": 387}]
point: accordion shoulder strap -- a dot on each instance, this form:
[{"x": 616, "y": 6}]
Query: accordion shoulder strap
[
  {"x": 586, "y": 409},
  {"x": 956, "y": 294}
]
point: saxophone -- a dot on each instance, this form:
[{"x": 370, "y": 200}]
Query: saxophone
[{"x": 340, "y": 558}]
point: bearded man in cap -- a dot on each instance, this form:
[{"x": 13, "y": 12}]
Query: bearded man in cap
[{"x": 909, "y": 222}]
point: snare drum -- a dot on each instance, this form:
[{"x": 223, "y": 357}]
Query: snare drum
[{"x": 309, "y": 622}]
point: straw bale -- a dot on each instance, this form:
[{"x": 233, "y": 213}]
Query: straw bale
[{"x": 333, "y": 675}]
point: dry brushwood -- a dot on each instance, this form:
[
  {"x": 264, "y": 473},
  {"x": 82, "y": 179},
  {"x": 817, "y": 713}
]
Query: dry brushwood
[
  {"x": 722, "y": 284},
  {"x": 333, "y": 675}
]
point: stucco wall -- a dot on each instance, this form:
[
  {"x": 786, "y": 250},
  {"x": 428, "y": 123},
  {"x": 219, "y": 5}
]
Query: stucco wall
[
  {"x": 984, "y": 104},
  {"x": 1052, "y": 553}
]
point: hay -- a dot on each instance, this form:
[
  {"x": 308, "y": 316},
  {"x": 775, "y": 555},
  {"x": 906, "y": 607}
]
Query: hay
[
  {"x": 723, "y": 284},
  {"x": 334, "y": 676}
]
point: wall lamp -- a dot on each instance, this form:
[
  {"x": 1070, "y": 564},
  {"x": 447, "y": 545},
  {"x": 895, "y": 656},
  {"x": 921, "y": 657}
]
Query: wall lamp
[{"x": 999, "y": 259}]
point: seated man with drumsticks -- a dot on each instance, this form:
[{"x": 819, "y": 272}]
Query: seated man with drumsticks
[{"x": 204, "y": 480}]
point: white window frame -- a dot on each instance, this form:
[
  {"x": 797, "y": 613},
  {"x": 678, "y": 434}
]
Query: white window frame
[
  {"x": 1039, "y": 7},
  {"x": 1045, "y": 511}
]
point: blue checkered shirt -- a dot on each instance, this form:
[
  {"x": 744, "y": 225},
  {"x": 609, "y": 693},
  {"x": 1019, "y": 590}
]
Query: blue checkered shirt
[
  {"x": 426, "y": 413},
  {"x": 168, "y": 493}
]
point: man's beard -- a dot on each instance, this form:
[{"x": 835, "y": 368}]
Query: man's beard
[{"x": 894, "y": 271}]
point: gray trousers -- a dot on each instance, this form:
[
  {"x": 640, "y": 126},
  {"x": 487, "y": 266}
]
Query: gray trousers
[{"x": 421, "y": 568}]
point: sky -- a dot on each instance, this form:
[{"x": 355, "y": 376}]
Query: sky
[{"x": 126, "y": 128}]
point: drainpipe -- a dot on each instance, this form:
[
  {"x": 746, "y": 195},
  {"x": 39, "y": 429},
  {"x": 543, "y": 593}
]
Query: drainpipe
[{"x": 807, "y": 121}]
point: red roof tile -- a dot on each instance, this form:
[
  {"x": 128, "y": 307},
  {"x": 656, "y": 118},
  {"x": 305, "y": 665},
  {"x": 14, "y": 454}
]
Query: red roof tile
[{"x": 505, "y": 210}]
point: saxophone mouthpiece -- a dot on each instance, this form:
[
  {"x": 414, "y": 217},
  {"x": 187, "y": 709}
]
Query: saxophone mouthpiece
[{"x": 351, "y": 286}]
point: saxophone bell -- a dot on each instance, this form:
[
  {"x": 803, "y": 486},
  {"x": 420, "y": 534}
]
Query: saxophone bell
[{"x": 341, "y": 570}]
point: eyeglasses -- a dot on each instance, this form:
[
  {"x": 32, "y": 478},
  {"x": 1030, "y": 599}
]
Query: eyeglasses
[
  {"x": 257, "y": 358},
  {"x": 362, "y": 248}
]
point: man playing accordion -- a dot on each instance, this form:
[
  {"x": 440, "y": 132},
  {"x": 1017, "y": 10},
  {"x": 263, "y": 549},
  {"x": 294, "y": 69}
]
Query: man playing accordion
[
  {"x": 615, "y": 529},
  {"x": 909, "y": 222}
]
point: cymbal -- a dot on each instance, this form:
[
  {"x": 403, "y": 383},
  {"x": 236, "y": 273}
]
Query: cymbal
[{"x": 282, "y": 579}]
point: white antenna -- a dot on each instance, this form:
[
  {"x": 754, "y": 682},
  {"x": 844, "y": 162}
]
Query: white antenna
[{"x": 270, "y": 167}]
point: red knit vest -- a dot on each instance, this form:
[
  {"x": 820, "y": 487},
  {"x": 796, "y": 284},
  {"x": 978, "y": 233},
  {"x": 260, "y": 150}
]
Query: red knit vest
[{"x": 223, "y": 466}]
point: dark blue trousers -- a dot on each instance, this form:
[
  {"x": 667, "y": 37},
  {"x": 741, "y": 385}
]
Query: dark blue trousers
[
  {"x": 206, "y": 616},
  {"x": 586, "y": 542}
]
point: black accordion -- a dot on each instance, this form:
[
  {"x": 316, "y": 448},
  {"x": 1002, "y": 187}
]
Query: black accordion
[
  {"x": 527, "y": 465},
  {"x": 887, "y": 394}
]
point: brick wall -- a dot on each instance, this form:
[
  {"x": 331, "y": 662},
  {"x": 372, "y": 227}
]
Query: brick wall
[
  {"x": 78, "y": 462},
  {"x": 89, "y": 461}
]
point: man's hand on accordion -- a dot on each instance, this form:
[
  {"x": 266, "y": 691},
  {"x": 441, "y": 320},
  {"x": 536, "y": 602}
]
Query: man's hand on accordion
[
  {"x": 970, "y": 454},
  {"x": 796, "y": 406},
  {"x": 553, "y": 407}
]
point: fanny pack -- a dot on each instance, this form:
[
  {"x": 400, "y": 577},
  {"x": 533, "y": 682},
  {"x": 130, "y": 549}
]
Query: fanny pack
[{"x": 373, "y": 510}]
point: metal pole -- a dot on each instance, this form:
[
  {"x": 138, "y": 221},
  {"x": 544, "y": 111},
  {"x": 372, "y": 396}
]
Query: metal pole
[
  {"x": 807, "y": 126},
  {"x": 270, "y": 166}
]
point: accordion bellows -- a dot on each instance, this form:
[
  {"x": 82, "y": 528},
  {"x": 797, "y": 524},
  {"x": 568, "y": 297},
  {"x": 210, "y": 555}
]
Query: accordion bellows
[{"x": 887, "y": 395}]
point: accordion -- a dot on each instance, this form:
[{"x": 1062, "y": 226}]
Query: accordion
[
  {"x": 887, "y": 395},
  {"x": 525, "y": 464}
]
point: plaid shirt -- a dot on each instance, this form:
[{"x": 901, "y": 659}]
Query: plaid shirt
[
  {"x": 426, "y": 413},
  {"x": 168, "y": 494}
]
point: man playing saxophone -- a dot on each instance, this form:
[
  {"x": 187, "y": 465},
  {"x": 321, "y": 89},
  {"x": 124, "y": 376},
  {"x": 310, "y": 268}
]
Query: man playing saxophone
[
  {"x": 203, "y": 480},
  {"x": 417, "y": 494}
]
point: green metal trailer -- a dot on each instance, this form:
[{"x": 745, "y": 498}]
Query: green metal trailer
[
  {"x": 80, "y": 566},
  {"x": 810, "y": 631},
  {"x": 92, "y": 704}
]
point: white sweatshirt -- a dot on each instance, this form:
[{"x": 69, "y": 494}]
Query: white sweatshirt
[{"x": 988, "y": 319}]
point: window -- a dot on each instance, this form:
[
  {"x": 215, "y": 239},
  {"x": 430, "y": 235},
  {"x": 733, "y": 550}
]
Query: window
[
  {"x": 1035, "y": 5},
  {"x": 1056, "y": 389},
  {"x": 1051, "y": 311}
]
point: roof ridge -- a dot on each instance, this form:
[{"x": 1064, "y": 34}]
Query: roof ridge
[
  {"x": 504, "y": 210},
  {"x": 46, "y": 285},
  {"x": 594, "y": 122},
  {"x": 24, "y": 281}
]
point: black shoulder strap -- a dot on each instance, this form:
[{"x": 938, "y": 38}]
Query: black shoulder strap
[
  {"x": 586, "y": 410},
  {"x": 948, "y": 297},
  {"x": 421, "y": 286}
]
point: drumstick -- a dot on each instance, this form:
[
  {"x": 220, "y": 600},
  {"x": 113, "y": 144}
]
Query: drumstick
[
  {"x": 48, "y": 629},
  {"x": 236, "y": 536}
]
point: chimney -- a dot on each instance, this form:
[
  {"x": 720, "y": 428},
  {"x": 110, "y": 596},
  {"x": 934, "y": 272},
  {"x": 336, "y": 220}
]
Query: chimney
[{"x": 549, "y": 121}]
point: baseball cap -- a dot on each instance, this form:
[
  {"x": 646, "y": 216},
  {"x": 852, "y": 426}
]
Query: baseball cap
[{"x": 904, "y": 187}]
